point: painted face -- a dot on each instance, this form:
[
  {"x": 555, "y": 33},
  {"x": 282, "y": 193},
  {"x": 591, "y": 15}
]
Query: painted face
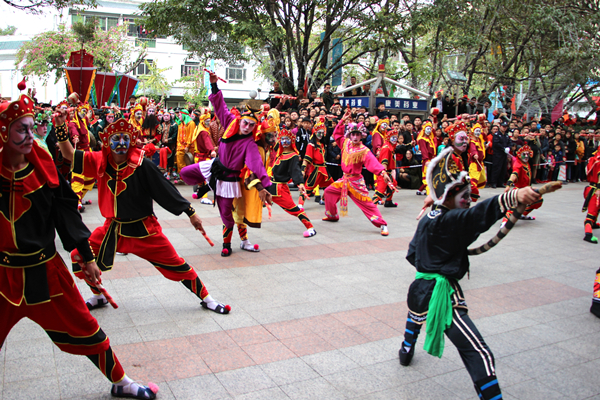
[
  {"x": 151, "y": 111},
  {"x": 247, "y": 126},
  {"x": 41, "y": 130},
  {"x": 463, "y": 198},
  {"x": 384, "y": 126},
  {"x": 394, "y": 139},
  {"x": 461, "y": 141},
  {"x": 428, "y": 130},
  {"x": 525, "y": 157},
  {"x": 286, "y": 141},
  {"x": 119, "y": 143},
  {"x": 20, "y": 138},
  {"x": 138, "y": 115},
  {"x": 477, "y": 132},
  {"x": 167, "y": 117},
  {"x": 355, "y": 137},
  {"x": 110, "y": 118},
  {"x": 206, "y": 123},
  {"x": 82, "y": 113},
  {"x": 270, "y": 138},
  {"x": 319, "y": 134}
]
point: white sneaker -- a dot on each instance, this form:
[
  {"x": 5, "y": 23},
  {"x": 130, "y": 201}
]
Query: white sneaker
[
  {"x": 206, "y": 200},
  {"x": 301, "y": 206},
  {"x": 384, "y": 230}
]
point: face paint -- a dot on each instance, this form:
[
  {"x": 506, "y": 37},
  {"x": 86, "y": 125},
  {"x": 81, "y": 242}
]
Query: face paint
[
  {"x": 477, "y": 132},
  {"x": 463, "y": 198},
  {"x": 81, "y": 114},
  {"x": 110, "y": 118},
  {"x": 138, "y": 115},
  {"x": 384, "y": 126},
  {"x": 319, "y": 134},
  {"x": 41, "y": 130},
  {"x": 206, "y": 123},
  {"x": 355, "y": 137},
  {"x": 461, "y": 141},
  {"x": 247, "y": 126},
  {"x": 428, "y": 130},
  {"x": 20, "y": 138},
  {"x": 150, "y": 111},
  {"x": 119, "y": 143},
  {"x": 270, "y": 138},
  {"x": 167, "y": 117},
  {"x": 394, "y": 139},
  {"x": 525, "y": 157},
  {"x": 286, "y": 141}
]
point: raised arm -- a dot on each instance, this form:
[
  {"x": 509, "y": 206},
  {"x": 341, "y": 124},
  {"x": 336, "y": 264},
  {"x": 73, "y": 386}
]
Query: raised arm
[{"x": 216, "y": 99}]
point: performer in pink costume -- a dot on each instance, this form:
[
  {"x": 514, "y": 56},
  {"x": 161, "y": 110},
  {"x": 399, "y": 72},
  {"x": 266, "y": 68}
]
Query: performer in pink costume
[{"x": 354, "y": 156}]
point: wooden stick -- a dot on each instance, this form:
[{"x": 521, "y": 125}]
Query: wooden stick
[
  {"x": 108, "y": 297},
  {"x": 210, "y": 72}
]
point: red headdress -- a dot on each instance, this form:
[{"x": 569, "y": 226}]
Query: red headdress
[
  {"x": 134, "y": 155},
  {"x": 390, "y": 133},
  {"x": 11, "y": 112},
  {"x": 453, "y": 129},
  {"x": 524, "y": 149},
  {"x": 319, "y": 125},
  {"x": 291, "y": 135}
]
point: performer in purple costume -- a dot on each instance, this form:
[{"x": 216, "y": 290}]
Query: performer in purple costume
[{"x": 236, "y": 149}]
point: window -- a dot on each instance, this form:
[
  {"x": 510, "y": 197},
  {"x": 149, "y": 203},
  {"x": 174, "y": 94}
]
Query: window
[
  {"x": 236, "y": 73},
  {"x": 142, "y": 69},
  {"x": 190, "y": 68},
  {"x": 104, "y": 23}
]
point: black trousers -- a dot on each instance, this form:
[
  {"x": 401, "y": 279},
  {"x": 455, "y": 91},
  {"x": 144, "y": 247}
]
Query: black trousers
[
  {"x": 499, "y": 165},
  {"x": 475, "y": 353}
]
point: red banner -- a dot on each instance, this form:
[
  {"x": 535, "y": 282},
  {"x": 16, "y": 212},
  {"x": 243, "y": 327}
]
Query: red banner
[
  {"x": 105, "y": 83},
  {"x": 79, "y": 80},
  {"x": 127, "y": 87}
]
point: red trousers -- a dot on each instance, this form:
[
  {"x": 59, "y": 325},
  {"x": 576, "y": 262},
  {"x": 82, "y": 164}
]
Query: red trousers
[
  {"x": 284, "y": 200},
  {"x": 65, "y": 317},
  {"x": 155, "y": 249},
  {"x": 592, "y": 210},
  {"x": 382, "y": 190}
]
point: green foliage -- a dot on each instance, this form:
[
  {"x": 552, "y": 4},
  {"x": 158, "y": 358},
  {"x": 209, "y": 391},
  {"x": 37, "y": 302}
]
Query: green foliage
[
  {"x": 195, "y": 92},
  {"x": 8, "y": 31},
  {"x": 47, "y": 53},
  {"x": 85, "y": 32},
  {"x": 154, "y": 84},
  {"x": 38, "y": 6}
]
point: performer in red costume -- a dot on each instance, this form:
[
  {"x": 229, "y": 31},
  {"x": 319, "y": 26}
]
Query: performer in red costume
[
  {"x": 127, "y": 185},
  {"x": 313, "y": 165},
  {"x": 477, "y": 154},
  {"x": 355, "y": 155},
  {"x": 521, "y": 178},
  {"x": 459, "y": 140},
  {"x": 387, "y": 158},
  {"x": 592, "y": 197},
  {"x": 80, "y": 137},
  {"x": 427, "y": 145},
  {"x": 36, "y": 201},
  {"x": 286, "y": 167}
]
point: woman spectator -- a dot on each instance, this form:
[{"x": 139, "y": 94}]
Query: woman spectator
[{"x": 409, "y": 173}]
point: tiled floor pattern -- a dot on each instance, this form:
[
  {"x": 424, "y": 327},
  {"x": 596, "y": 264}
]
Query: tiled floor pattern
[{"x": 323, "y": 318}]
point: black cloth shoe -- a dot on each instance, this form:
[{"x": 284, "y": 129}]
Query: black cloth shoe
[
  {"x": 390, "y": 204},
  {"x": 317, "y": 199},
  {"x": 406, "y": 357},
  {"x": 226, "y": 252},
  {"x": 595, "y": 308}
]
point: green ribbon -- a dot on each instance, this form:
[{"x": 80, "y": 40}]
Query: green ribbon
[{"x": 439, "y": 316}]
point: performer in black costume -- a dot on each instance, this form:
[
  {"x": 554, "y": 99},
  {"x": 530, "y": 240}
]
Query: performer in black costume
[{"x": 438, "y": 251}]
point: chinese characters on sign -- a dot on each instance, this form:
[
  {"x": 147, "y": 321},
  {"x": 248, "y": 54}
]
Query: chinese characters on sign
[{"x": 390, "y": 103}]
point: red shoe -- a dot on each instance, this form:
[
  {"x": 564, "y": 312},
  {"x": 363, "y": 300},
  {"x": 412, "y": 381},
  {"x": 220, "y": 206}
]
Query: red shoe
[{"x": 327, "y": 218}]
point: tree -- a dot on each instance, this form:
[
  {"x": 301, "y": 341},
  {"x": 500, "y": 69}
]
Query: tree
[
  {"x": 48, "y": 52},
  {"x": 288, "y": 32},
  {"x": 195, "y": 92},
  {"x": 154, "y": 84},
  {"x": 8, "y": 31},
  {"x": 38, "y": 6}
]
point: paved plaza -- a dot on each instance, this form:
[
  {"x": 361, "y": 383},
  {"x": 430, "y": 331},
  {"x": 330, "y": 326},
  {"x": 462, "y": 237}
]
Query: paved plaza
[{"x": 323, "y": 318}]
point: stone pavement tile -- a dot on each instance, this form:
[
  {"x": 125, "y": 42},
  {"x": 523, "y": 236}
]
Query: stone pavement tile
[
  {"x": 28, "y": 369},
  {"x": 42, "y": 388},
  {"x": 289, "y": 371},
  {"x": 42, "y": 347},
  {"x": 159, "y": 331},
  {"x": 329, "y": 362},
  {"x": 205, "y": 387},
  {"x": 26, "y": 329},
  {"x": 132, "y": 353},
  {"x": 354, "y": 317},
  {"x": 587, "y": 347},
  {"x": 317, "y": 388},
  {"x": 569, "y": 382},
  {"x": 307, "y": 344},
  {"x": 268, "y": 352},
  {"x": 182, "y": 366},
  {"x": 81, "y": 383},
  {"x": 535, "y": 390},
  {"x": 428, "y": 390},
  {"x": 197, "y": 326},
  {"x": 357, "y": 382},
  {"x": 148, "y": 317},
  {"x": 433, "y": 366},
  {"x": 238, "y": 318},
  {"x": 67, "y": 363},
  {"x": 250, "y": 335},
  {"x": 395, "y": 374},
  {"x": 389, "y": 394},
  {"x": 376, "y": 331},
  {"x": 227, "y": 360},
  {"x": 166, "y": 348},
  {"x": 289, "y": 329},
  {"x": 149, "y": 371},
  {"x": 245, "y": 380},
  {"x": 369, "y": 353},
  {"x": 274, "y": 393},
  {"x": 123, "y": 336},
  {"x": 535, "y": 362},
  {"x": 209, "y": 342},
  {"x": 344, "y": 337}
]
